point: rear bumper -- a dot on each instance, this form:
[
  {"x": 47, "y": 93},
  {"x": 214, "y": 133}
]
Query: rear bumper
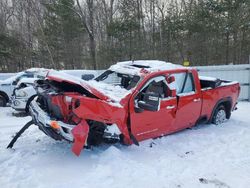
[{"x": 43, "y": 121}]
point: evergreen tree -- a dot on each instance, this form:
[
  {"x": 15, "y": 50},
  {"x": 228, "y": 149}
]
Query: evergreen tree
[{"x": 64, "y": 33}]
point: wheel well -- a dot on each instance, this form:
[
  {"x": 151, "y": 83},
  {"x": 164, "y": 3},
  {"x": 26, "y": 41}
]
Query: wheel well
[
  {"x": 227, "y": 103},
  {"x": 228, "y": 106},
  {"x": 4, "y": 95},
  {"x": 202, "y": 119}
]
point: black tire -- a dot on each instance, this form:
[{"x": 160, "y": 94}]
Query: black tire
[
  {"x": 220, "y": 115},
  {"x": 3, "y": 101},
  {"x": 28, "y": 103}
]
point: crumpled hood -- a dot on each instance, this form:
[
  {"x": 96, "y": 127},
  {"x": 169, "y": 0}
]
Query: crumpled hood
[{"x": 108, "y": 92}]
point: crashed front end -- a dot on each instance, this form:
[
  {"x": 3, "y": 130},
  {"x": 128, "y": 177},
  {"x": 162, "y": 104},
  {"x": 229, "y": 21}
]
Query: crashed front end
[
  {"x": 66, "y": 111},
  {"x": 59, "y": 130}
]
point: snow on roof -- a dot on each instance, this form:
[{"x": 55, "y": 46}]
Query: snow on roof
[{"x": 136, "y": 67}]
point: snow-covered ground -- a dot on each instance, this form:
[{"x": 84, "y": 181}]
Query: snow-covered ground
[{"x": 205, "y": 156}]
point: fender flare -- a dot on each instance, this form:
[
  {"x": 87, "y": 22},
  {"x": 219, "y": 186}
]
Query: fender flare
[{"x": 226, "y": 99}]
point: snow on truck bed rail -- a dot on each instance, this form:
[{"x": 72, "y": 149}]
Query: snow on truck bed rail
[
  {"x": 207, "y": 78},
  {"x": 224, "y": 82}
]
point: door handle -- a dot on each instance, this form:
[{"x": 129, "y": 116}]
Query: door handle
[
  {"x": 197, "y": 100},
  {"x": 170, "y": 107}
]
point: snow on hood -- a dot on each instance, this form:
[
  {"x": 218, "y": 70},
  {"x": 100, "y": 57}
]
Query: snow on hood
[
  {"x": 135, "y": 67},
  {"x": 64, "y": 76},
  {"x": 80, "y": 73},
  {"x": 113, "y": 93}
]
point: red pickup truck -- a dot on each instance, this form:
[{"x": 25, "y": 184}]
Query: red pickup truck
[{"x": 130, "y": 102}]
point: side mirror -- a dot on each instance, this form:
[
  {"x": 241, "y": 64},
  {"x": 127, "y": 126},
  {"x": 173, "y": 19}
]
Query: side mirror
[
  {"x": 87, "y": 77},
  {"x": 170, "y": 79},
  {"x": 151, "y": 102}
]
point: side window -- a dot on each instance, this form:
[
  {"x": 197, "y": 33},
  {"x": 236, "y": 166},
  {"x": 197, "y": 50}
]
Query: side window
[
  {"x": 155, "y": 85},
  {"x": 184, "y": 83},
  {"x": 179, "y": 81},
  {"x": 189, "y": 86}
]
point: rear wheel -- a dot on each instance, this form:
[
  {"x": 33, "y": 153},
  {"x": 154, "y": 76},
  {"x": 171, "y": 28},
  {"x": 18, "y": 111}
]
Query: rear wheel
[
  {"x": 3, "y": 101},
  {"x": 220, "y": 115}
]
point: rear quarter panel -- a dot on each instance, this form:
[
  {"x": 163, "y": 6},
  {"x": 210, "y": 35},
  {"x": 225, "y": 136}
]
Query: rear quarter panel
[{"x": 212, "y": 96}]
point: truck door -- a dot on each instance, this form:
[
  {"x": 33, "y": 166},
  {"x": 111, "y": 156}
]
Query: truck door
[
  {"x": 149, "y": 124},
  {"x": 189, "y": 100}
]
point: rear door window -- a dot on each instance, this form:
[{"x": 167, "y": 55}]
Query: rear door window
[
  {"x": 189, "y": 85},
  {"x": 184, "y": 83}
]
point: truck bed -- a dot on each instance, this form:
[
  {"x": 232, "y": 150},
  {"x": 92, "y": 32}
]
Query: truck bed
[{"x": 214, "y": 90}]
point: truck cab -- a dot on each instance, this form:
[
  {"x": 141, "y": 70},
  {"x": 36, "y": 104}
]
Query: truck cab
[{"x": 179, "y": 103}]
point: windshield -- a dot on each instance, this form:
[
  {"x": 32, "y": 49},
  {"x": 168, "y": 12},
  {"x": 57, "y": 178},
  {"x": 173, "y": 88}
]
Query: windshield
[
  {"x": 25, "y": 75},
  {"x": 125, "y": 81}
]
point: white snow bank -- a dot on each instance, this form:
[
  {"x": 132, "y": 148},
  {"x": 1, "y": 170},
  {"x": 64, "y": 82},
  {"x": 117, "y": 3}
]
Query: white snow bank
[{"x": 218, "y": 154}]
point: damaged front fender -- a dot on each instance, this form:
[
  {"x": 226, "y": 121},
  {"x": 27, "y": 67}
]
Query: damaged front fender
[{"x": 80, "y": 133}]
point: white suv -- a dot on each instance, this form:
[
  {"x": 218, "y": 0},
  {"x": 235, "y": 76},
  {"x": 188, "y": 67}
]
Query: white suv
[
  {"x": 25, "y": 92},
  {"x": 7, "y": 86}
]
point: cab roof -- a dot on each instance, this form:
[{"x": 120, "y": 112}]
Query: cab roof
[{"x": 139, "y": 67}]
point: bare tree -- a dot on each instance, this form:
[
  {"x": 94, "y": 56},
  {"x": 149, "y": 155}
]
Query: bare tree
[{"x": 88, "y": 23}]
